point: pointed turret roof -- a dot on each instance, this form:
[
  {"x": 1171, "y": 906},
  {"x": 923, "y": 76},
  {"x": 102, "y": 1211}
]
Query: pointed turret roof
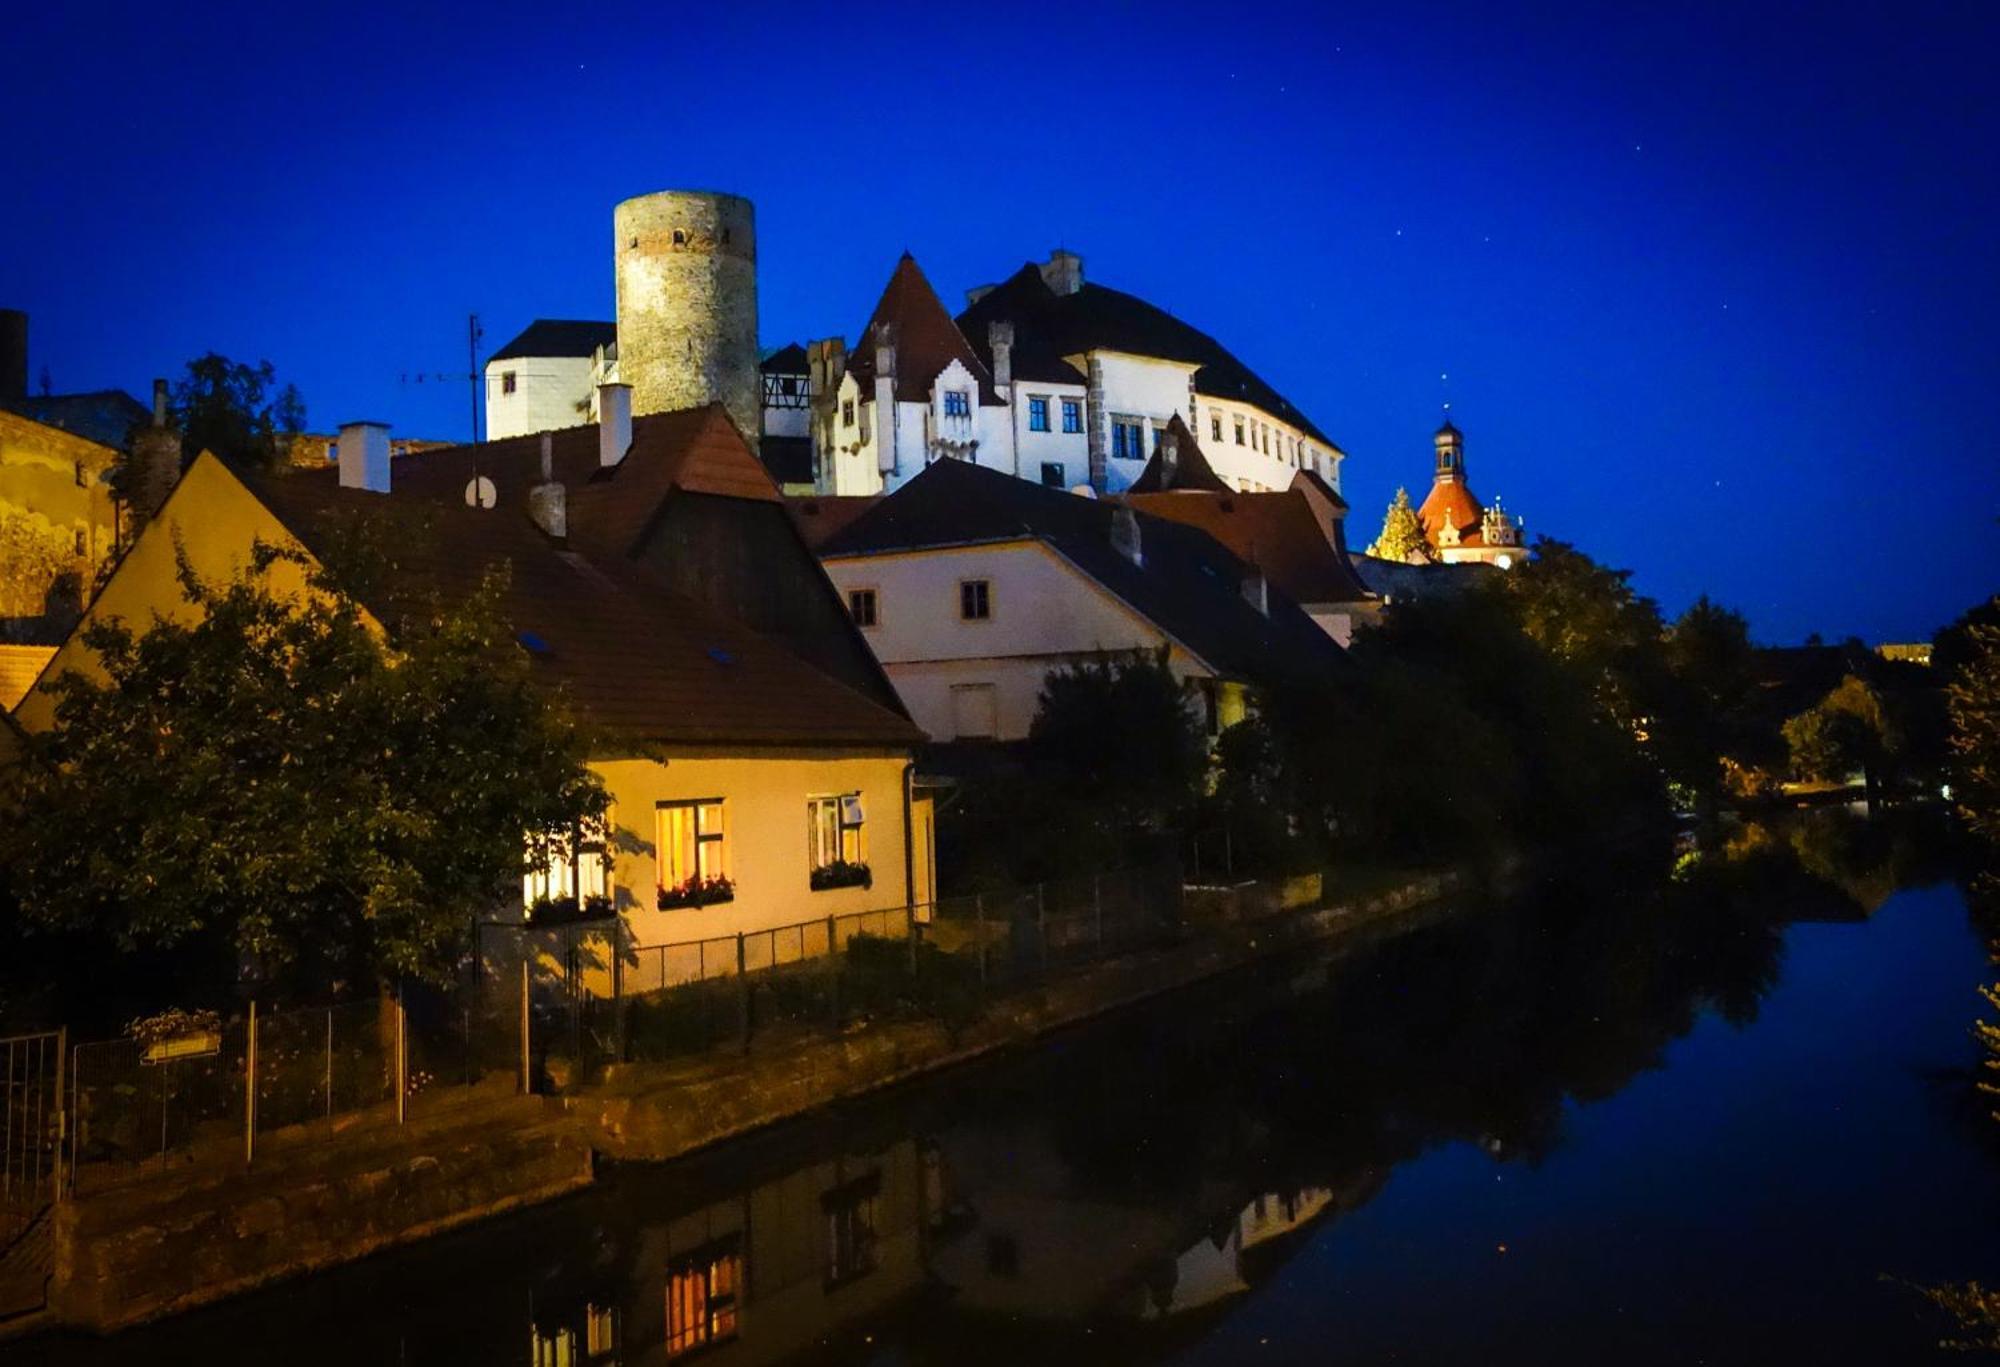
[
  {"x": 927, "y": 340},
  {"x": 1190, "y": 473}
]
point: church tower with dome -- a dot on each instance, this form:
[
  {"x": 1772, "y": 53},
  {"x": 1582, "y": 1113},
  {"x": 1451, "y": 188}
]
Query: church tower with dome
[{"x": 1458, "y": 527}]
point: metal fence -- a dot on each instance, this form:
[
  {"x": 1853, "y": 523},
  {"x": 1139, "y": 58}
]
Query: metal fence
[
  {"x": 595, "y": 1000},
  {"x": 266, "y": 1078},
  {"x": 31, "y": 1091}
]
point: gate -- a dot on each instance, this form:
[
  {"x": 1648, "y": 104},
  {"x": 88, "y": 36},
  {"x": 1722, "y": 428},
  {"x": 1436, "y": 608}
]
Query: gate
[{"x": 31, "y": 1133}]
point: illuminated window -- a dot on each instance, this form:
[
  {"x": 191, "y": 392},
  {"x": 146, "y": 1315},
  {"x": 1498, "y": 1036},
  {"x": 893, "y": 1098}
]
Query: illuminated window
[
  {"x": 600, "y": 1331},
  {"x": 834, "y": 826},
  {"x": 553, "y": 1348},
  {"x": 861, "y": 606},
  {"x": 850, "y": 1229},
  {"x": 701, "y": 1300},
  {"x": 573, "y": 868},
  {"x": 1072, "y": 415},
  {"x": 1215, "y": 427},
  {"x": 957, "y": 404},
  {"x": 975, "y": 600},
  {"x": 1038, "y": 414},
  {"x": 692, "y": 842},
  {"x": 506, "y": 382}
]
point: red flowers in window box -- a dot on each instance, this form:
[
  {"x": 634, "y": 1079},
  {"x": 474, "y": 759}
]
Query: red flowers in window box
[{"x": 698, "y": 892}]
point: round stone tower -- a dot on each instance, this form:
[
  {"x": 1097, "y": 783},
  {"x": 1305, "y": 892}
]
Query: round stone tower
[{"x": 687, "y": 304}]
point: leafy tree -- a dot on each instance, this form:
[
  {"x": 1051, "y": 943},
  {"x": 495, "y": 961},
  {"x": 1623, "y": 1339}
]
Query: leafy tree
[
  {"x": 33, "y": 551},
  {"x": 237, "y": 411},
  {"x": 1402, "y": 537},
  {"x": 1706, "y": 715},
  {"x": 1118, "y": 737},
  {"x": 263, "y": 780},
  {"x": 1588, "y": 616},
  {"x": 1848, "y": 730}
]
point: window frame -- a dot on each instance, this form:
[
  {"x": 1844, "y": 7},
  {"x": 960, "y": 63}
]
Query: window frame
[
  {"x": 1061, "y": 475},
  {"x": 718, "y": 838},
  {"x": 979, "y": 590},
  {"x": 1038, "y": 412},
  {"x": 589, "y": 848},
  {"x": 843, "y": 850},
  {"x": 874, "y": 599},
  {"x": 509, "y": 382},
  {"x": 721, "y": 1315},
  {"x": 1072, "y": 416},
  {"x": 957, "y": 403}
]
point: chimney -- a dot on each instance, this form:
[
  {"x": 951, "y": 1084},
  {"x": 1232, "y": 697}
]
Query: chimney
[
  {"x": 614, "y": 425},
  {"x": 1000, "y": 337},
  {"x": 1170, "y": 457},
  {"x": 1125, "y": 534},
  {"x": 548, "y": 502},
  {"x": 885, "y": 397},
  {"x": 13, "y": 354},
  {"x": 1257, "y": 591},
  {"x": 156, "y": 461},
  {"x": 364, "y": 456},
  {"x": 1063, "y": 271}
]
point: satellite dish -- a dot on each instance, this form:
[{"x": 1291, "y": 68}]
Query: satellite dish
[{"x": 480, "y": 493}]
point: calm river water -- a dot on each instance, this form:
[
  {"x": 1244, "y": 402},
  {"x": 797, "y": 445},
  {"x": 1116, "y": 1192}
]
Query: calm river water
[{"x": 1718, "y": 1116}]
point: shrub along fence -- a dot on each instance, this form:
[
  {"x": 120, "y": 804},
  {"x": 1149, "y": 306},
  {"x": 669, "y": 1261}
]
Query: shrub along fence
[
  {"x": 222, "y": 1088},
  {"x": 596, "y": 1001}
]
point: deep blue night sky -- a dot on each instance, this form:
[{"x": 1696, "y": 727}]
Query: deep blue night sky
[{"x": 1715, "y": 290}]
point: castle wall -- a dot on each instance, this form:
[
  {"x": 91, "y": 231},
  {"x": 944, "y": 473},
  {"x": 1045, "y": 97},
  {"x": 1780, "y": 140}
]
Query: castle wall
[{"x": 687, "y": 304}]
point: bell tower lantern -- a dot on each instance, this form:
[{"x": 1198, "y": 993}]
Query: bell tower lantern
[{"x": 1450, "y": 444}]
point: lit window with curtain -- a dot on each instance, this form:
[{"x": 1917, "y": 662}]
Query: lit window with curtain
[
  {"x": 702, "y": 1293},
  {"x": 693, "y": 842},
  {"x": 573, "y": 870},
  {"x": 836, "y": 830}
]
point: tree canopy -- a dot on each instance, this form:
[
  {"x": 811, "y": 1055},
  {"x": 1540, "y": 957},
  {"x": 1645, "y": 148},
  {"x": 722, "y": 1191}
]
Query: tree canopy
[
  {"x": 265, "y": 781},
  {"x": 237, "y": 411}
]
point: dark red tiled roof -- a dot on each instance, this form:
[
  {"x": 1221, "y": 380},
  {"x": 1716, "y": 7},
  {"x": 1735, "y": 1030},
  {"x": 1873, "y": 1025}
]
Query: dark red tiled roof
[
  {"x": 927, "y": 340},
  {"x": 1451, "y": 503},
  {"x": 640, "y": 662},
  {"x": 1276, "y": 532},
  {"x": 819, "y": 518}
]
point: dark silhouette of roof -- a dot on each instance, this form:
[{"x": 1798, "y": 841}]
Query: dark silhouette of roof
[
  {"x": 820, "y": 516},
  {"x": 634, "y": 658},
  {"x": 1186, "y": 584},
  {"x": 1276, "y": 532},
  {"x": 789, "y": 459},
  {"x": 789, "y": 359},
  {"x": 105, "y": 416},
  {"x": 559, "y": 337},
  {"x": 926, "y": 339},
  {"x": 1189, "y": 471},
  {"x": 1096, "y": 318}
]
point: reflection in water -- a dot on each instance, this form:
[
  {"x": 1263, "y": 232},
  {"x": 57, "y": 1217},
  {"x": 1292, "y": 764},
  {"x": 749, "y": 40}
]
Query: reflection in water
[{"x": 1113, "y": 1195}]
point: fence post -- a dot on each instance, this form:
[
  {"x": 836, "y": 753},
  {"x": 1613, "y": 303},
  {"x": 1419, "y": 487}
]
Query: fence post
[
  {"x": 743, "y": 990},
  {"x": 833, "y": 970},
  {"x": 62, "y": 1110},
  {"x": 1097, "y": 906},
  {"x": 250, "y": 1088},
  {"x": 910, "y": 934},
  {"x": 527, "y": 1040},
  {"x": 402, "y": 1057}
]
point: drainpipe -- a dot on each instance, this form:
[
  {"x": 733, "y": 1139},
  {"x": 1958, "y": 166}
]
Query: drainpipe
[{"x": 909, "y": 838}]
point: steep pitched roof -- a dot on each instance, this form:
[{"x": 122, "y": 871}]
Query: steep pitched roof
[
  {"x": 559, "y": 337},
  {"x": 789, "y": 359},
  {"x": 820, "y": 516},
  {"x": 1036, "y": 357},
  {"x": 1190, "y": 471},
  {"x": 1187, "y": 585},
  {"x": 1097, "y": 318},
  {"x": 634, "y": 658},
  {"x": 697, "y": 450},
  {"x": 1276, "y": 532},
  {"x": 105, "y": 416},
  {"x": 926, "y": 339}
]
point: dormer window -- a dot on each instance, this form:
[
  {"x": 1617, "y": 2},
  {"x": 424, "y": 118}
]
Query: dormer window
[{"x": 957, "y": 404}]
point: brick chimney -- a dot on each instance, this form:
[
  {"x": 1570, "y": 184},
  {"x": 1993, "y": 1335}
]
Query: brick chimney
[
  {"x": 364, "y": 456},
  {"x": 885, "y": 396},
  {"x": 614, "y": 425},
  {"x": 1000, "y": 337},
  {"x": 13, "y": 354},
  {"x": 156, "y": 461},
  {"x": 1063, "y": 271},
  {"x": 548, "y": 501}
]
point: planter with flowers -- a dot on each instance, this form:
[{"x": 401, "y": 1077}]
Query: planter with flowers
[
  {"x": 697, "y": 892},
  {"x": 841, "y": 874}
]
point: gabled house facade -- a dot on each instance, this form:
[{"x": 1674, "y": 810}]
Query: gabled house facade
[
  {"x": 736, "y": 767},
  {"x": 972, "y": 586}
]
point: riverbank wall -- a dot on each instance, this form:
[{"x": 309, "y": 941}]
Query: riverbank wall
[{"x": 165, "y": 1242}]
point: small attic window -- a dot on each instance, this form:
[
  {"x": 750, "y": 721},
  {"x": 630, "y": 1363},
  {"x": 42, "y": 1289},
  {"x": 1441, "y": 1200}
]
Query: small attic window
[
  {"x": 721, "y": 656},
  {"x": 680, "y": 238},
  {"x": 534, "y": 644}
]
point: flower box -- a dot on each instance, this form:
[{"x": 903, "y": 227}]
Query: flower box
[
  {"x": 697, "y": 892},
  {"x": 841, "y": 874},
  {"x": 562, "y": 911}
]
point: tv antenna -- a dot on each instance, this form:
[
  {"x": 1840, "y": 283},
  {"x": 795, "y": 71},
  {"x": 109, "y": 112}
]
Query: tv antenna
[{"x": 470, "y": 376}]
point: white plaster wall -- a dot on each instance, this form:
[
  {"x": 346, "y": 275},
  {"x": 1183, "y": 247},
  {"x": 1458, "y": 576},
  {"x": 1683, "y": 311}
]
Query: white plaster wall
[
  {"x": 1249, "y": 469},
  {"x": 547, "y": 390},
  {"x": 1044, "y": 614},
  {"x": 1032, "y": 448}
]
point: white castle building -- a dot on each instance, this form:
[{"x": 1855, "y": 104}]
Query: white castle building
[{"x": 1044, "y": 376}]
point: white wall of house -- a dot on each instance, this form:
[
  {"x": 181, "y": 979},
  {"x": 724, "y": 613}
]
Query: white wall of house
[
  {"x": 542, "y": 395},
  {"x": 1043, "y": 614},
  {"x": 1270, "y": 451},
  {"x": 1033, "y": 449}
]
